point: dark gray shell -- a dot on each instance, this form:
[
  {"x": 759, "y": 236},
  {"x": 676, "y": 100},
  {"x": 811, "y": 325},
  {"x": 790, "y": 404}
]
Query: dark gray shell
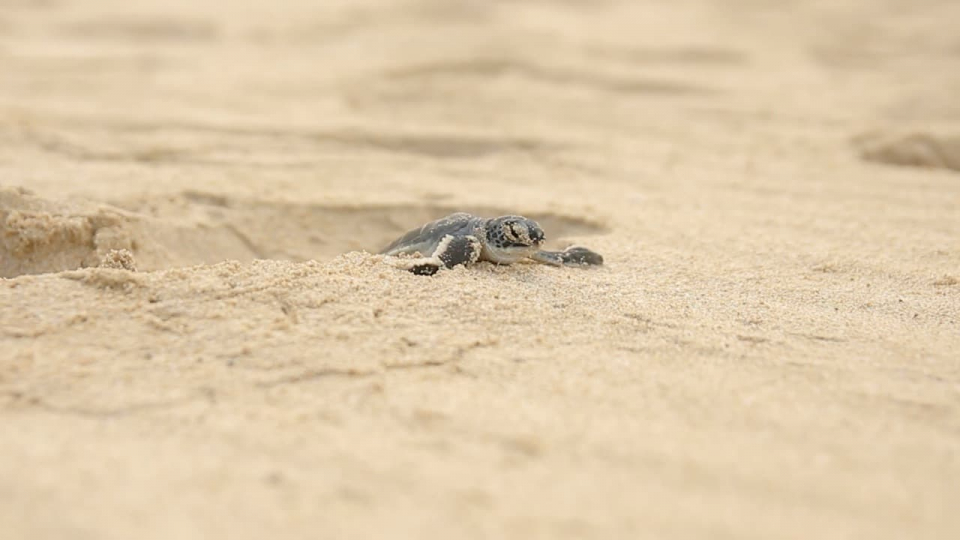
[{"x": 425, "y": 239}]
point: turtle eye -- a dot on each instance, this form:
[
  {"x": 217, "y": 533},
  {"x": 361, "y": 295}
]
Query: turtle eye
[{"x": 537, "y": 235}]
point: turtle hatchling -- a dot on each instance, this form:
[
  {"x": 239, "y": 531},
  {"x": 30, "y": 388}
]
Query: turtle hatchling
[{"x": 463, "y": 239}]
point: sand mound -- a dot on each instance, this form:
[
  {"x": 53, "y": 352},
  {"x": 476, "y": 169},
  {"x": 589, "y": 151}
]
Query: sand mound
[
  {"x": 937, "y": 151},
  {"x": 119, "y": 259},
  {"x": 38, "y": 235}
]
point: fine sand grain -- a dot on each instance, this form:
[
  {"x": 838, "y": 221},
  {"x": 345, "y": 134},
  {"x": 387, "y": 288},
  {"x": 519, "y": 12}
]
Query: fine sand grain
[{"x": 196, "y": 341}]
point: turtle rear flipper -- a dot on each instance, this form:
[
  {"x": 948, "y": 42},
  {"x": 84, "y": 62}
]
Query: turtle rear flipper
[
  {"x": 572, "y": 256},
  {"x": 425, "y": 269}
]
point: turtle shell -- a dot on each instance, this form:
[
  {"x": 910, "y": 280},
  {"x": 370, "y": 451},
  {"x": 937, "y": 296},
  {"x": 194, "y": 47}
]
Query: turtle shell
[{"x": 425, "y": 239}]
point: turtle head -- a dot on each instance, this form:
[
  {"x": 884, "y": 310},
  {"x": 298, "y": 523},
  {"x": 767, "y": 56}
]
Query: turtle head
[{"x": 511, "y": 238}]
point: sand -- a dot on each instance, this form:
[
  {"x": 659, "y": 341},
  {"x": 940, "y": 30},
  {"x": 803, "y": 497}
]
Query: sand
[{"x": 196, "y": 341}]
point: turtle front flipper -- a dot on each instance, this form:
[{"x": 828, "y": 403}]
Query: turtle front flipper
[
  {"x": 452, "y": 251},
  {"x": 572, "y": 256},
  {"x": 456, "y": 250}
]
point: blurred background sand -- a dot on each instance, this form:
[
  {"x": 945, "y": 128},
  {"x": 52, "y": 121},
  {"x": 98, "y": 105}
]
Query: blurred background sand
[{"x": 771, "y": 351}]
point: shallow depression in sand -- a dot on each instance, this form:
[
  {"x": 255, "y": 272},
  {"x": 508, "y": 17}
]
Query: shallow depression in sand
[
  {"x": 37, "y": 235},
  {"x": 294, "y": 231}
]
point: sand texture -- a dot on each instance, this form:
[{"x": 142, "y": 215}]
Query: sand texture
[{"x": 197, "y": 342}]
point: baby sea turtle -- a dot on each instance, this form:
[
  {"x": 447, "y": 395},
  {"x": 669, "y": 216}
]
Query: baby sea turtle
[{"x": 463, "y": 238}]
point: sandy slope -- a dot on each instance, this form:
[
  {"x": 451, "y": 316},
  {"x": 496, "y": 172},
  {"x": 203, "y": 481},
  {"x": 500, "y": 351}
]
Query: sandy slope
[{"x": 771, "y": 351}]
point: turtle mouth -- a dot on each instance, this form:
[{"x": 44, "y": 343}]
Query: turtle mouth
[{"x": 521, "y": 245}]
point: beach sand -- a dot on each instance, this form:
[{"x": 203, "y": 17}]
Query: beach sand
[{"x": 197, "y": 341}]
